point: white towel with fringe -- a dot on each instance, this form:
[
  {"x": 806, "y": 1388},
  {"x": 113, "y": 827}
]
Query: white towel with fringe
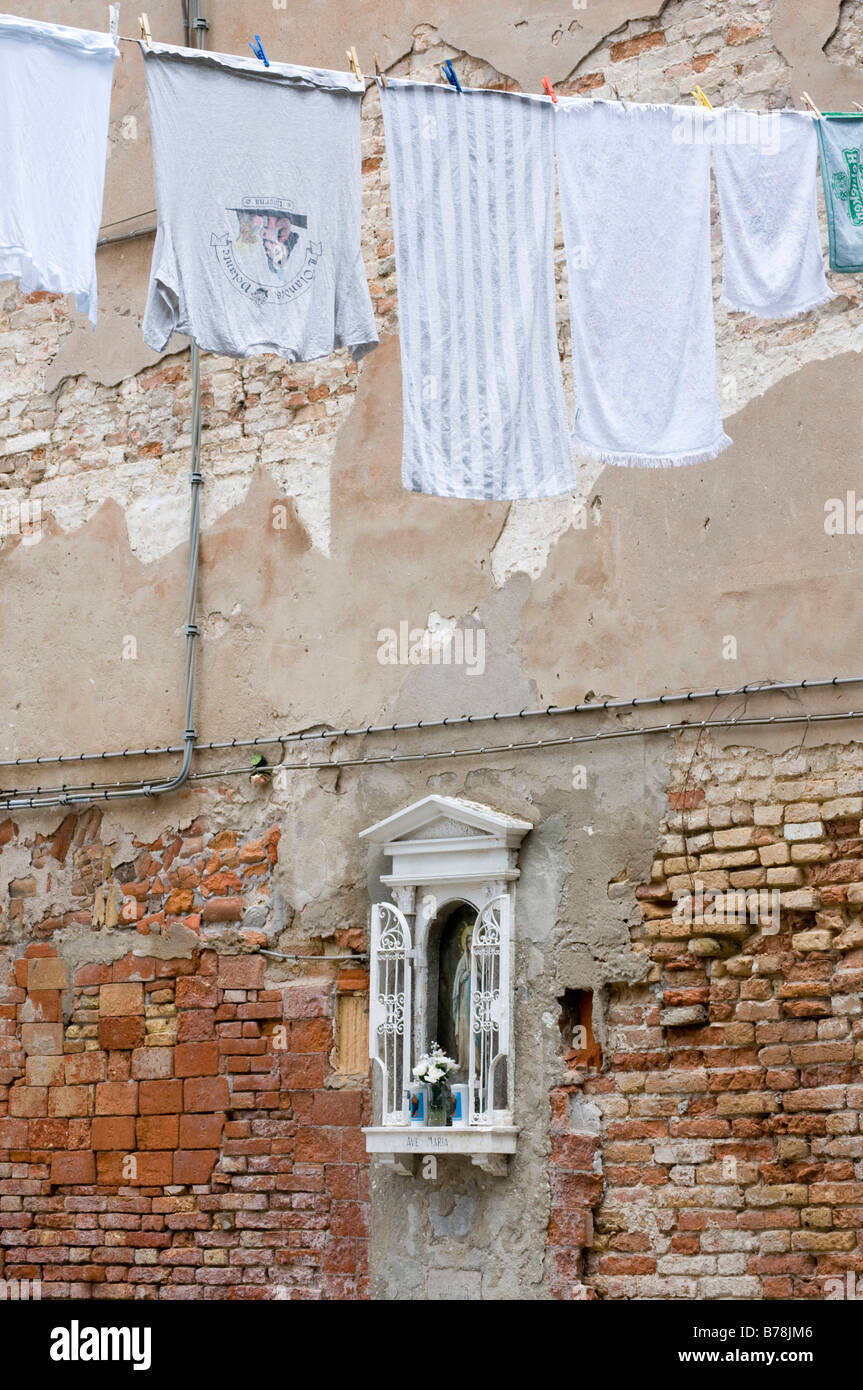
[
  {"x": 635, "y": 199},
  {"x": 766, "y": 166}
]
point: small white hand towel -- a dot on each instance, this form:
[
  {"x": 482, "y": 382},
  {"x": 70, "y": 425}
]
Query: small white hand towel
[{"x": 766, "y": 166}]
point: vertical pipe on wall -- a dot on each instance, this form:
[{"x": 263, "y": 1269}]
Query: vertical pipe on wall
[{"x": 59, "y": 797}]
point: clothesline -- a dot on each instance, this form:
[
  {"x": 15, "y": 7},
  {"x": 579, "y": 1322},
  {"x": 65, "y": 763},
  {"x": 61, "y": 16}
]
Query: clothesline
[
  {"x": 447, "y": 69},
  {"x": 259, "y": 244},
  {"x": 380, "y": 80}
]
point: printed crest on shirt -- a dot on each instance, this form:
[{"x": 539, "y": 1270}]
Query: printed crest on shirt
[{"x": 269, "y": 256}]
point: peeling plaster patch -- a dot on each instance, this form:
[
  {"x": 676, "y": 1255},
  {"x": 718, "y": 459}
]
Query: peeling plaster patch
[
  {"x": 584, "y": 1116},
  {"x": 752, "y": 356},
  {"x": 451, "y": 1213},
  {"x": 749, "y": 365},
  {"x": 155, "y": 500},
  {"x": 533, "y": 527},
  {"x": 813, "y": 41},
  {"x": 847, "y": 38},
  {"x": 308, "y": 484}
]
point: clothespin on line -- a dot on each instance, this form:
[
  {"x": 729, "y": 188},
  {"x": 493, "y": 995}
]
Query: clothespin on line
[
  {"x": 811, "y": 104},
  {"x": 114, "y": 21},
  {"x": 258, "y": 49},
  {"x": 857, "y": 104},
  {"x": 548, "y": 89},
  {"x": 449, "y": 73},
  {"x": 697, "y": 92},
  {"x": 145, "y": 30},
  {"x": 380, "y": 73},
  {"x": 355, "y": 63}
]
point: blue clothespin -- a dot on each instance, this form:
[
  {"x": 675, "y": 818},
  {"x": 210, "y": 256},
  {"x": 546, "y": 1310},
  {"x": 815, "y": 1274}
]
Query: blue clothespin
[
  {"x": 258, "y": 49},
  {"x": 450, "y": 74}
]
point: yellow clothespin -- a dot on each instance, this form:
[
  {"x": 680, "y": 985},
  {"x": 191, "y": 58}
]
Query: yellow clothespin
[
  {"x": 697, "y": 92},
  {"x": 355, "y": 63},
  {"x": 811, "y": 104},
  {"x": 145, "y": 30},
  {"x": 380, "y": 73}
]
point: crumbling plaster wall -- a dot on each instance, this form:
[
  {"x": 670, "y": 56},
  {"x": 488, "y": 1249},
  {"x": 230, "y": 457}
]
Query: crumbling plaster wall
[{"x": 638, "y": 599}]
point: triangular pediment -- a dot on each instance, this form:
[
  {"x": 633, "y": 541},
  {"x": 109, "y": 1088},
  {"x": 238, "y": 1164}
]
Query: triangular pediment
[
  {"x": 447, "y": 817},
  {"x": 443, "y": 828}
]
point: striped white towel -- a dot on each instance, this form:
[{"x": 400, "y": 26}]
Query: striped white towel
[
  {"x": 472, "y": 177},
  {"x": 635, "y": 198}
]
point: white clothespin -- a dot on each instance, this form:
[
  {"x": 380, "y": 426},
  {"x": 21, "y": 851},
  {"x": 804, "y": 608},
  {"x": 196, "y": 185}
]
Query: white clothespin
[
  {"x": 114, "y": 21},
  {"x": 355, "y": 63},
  {"x": 811, "y": 104}
]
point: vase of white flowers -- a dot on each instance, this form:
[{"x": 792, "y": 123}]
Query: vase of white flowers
[{"x": 433, "y": 1068}]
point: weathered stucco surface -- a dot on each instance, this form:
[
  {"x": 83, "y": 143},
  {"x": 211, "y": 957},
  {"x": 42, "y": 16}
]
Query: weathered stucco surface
[{"x": 311, "y": 548}]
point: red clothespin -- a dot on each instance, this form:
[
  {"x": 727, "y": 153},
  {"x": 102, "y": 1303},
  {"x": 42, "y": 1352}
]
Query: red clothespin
[{"x": 548, "y": 89}]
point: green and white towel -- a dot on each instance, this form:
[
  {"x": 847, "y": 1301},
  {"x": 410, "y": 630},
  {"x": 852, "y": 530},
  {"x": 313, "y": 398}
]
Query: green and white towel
[{"x": 840, "y": 142}]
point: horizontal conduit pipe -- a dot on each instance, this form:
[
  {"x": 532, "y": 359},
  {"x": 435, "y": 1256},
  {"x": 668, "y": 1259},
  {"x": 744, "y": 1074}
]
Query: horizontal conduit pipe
[
  {"x": 450, "y": 722},
  {"x": 572, "y": 740}
]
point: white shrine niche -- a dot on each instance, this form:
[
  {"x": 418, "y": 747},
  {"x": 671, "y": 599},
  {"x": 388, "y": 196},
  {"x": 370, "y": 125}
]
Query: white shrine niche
[{"x": 441, "y": 970}]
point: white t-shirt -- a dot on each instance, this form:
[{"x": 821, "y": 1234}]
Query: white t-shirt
[
  {"x": 258, "y": 192},
  {"x": 55, "y": 96}
]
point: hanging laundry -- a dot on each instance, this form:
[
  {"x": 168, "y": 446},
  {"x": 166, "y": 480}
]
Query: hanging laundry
[
  {"x": 472, "y": 186},
  {"x": 635, "y": 200},
  {"x": 840, "y": 142},
  {"x": 55, "y": 97},
  {"x": 258, "y": 195},
  {"x": 766, "y": 175}
]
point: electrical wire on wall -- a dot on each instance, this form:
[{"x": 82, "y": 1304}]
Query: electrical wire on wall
[{"x": 118, "y": 790}]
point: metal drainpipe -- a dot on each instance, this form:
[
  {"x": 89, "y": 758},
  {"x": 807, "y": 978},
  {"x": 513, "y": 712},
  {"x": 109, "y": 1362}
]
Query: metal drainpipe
[
  {"x": 194, "y": 24},
  {"x": 196, "y": 480}
]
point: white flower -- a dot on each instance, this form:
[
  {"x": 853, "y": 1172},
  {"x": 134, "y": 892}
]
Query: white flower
[{"x": 434, "y": 1065}]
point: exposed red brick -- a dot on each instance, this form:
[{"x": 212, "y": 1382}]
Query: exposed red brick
[
  {"x": 117, "y": 1098},
  {"x": 161, "y": 1097},
  {"x": 196, "y": 1059},
  {"x": 631, "y": 48},
  {"x": 195, "y": 993},
  {"x": 241, "y": 972},
  {"x": 113, "y": 1132},
  {"x": 157, "y": 1131},
  {"x": 73, "y": 1168},
  {"x": 742, "y": 33},
  {"x": 124, "y": 1033},
  {"x": 205, "y": 1093},
  {"x": 222, "y": 910},
  {"x": 194, "y": 1165}
]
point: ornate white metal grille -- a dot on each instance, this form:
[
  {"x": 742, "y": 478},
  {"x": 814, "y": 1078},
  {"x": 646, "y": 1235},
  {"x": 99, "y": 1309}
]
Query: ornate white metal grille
[
  {"x": 390, "y": 1007},
  {"x": 489, "y": 995}
]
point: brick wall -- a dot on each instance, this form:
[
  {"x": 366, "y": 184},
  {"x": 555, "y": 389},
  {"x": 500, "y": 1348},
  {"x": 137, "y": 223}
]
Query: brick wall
[
  {"x": 172, "y": 1127},
  {"x": 720, "y": 1154}
]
